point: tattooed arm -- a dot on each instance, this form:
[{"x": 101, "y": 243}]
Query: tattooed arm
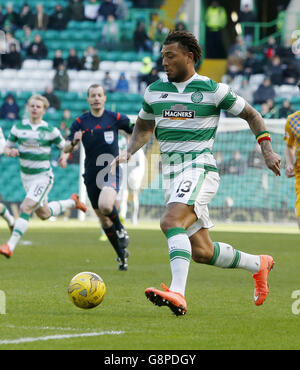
[{"x": 257, "y": 125}]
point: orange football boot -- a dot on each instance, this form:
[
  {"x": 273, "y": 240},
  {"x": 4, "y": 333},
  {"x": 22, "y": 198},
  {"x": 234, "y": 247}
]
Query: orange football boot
[
  {"x": 5, "y": 250},
  {"x": 175, "y": 301},
  {"x": 78, "y": 205},
  {"x": 261, "y": 279}
]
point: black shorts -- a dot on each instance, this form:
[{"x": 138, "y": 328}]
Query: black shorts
[{"x": 94, "y": 184}]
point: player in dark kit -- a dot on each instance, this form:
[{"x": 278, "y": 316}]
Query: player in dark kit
[{"x": 98, "y": 131}]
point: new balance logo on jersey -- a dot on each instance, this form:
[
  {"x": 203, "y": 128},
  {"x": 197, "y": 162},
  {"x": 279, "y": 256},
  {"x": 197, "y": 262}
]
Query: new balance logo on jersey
[{"x": 163, "y": 96}]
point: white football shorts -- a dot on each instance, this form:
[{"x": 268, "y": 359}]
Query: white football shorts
[
  {"x": 197, "y": 187},
  {"x": 38, "y": 187}
]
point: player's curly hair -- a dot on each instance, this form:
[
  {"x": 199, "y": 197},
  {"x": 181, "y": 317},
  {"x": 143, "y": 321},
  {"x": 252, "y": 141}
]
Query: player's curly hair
[{"x": 187, "y": 41}]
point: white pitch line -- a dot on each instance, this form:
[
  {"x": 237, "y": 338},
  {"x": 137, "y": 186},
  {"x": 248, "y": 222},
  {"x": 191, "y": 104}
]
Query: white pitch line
[{"x": 58, "y": 336}]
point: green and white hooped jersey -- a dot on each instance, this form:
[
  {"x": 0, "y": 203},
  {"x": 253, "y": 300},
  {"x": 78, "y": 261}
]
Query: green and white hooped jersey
[
  {"x": 186, "y": 118},
  {"x": 34, "y": 144}
]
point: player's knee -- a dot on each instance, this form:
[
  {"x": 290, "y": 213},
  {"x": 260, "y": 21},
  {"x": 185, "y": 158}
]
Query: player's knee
[
  {"x": 25, "y": 208},
  {"x": 202, "y": 253},
  {"x": 105, "y": 209},
  {"x": 167, "y": 223},
  {"x": 43, "y": 215}
]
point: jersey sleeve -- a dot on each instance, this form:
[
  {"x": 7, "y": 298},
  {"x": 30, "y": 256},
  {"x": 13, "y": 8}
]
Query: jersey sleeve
[
  {"x": 58, "y": 140},
  {"x": 146, "y": 112},
  {"x": 2, "y": 141},
  {"x": 12, "y": 137},
  {"x": 74, "y": 128},
  {"x": 228, "y": 100},
  {"x": 288, "y": 134},
  {"x": 124, "y": 123}
]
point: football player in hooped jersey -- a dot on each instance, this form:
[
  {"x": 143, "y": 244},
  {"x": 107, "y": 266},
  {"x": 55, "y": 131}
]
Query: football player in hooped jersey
[
  {"x": 184, "y": 109},
  {"x": 35, "y": 138},
  {"x": 98, "y": 131}
]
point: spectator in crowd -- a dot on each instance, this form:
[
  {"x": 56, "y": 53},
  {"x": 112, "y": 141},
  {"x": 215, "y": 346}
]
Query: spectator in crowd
[
  {"x": 90, "y": 60},
  {"x": 75, "y": 10},
  {"x": 274, "y": 69},
  {"x": 26, "y": 38},
  {"x": 239, "y": 48},
  {"x": 110, "y": 32},
  {"x": 234, "y": 66},
  {"x": 247, "y": 15},
  {"x": 59, "y": 19},
  {"x": 160, "y": 33},
  {"x": 246, "y": 90},
  {"x": 270, "y": 49},
  {"x": 107, "y": 7},
  {"x": 272, "y": 108},
  {"x": 67, "y": 118},
  {"x": 122, "y": 9},
  {"x": 11, "y": 40},
  {"x": 58, "y": 59},
  {"x": 54, "y": 100},
  {"x": 237, "y": 165},
  {"x": 264, "y": 92},
  {"x": 12, "y": 59},
  {"x": 108, "y": 82},
  {"x": 40, "y": 18},
  {"x": 64, "y": 129},
  {"x": 9, "y": 109},
  {"x": 152, "y": 76},
  {"x": 141, "y": 40},
  {"x": 290, "y": 75},
  {"x": 37, "y": 49},
  {"x": 11, "y": 19},
  {"x": 251, "y": 64},
  {"x": 91, "y": 8},
  {"x": 268, "y": 109},
  {"x": 216, "y": 21},
  {"x": 25, "y": 16},
  {"x": 144, "y": 71},
  {"x": 122, "y": 83},
  {"x": 61, "y": 79},
  {"x": 285, "y": 109},
  {"x": 73, "y": 61}
]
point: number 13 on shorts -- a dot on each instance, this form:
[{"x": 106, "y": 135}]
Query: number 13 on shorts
[{"x": 186, "y": 187}]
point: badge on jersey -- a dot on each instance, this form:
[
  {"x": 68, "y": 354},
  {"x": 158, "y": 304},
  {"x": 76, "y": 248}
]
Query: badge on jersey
[{"x": 109, "y": 137}]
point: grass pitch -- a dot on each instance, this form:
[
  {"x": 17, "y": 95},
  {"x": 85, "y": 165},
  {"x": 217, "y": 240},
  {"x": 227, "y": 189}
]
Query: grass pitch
[{"x": 221, "y": 313}]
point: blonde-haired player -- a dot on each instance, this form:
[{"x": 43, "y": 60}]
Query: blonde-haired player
[
  {"x": 4, "y": 212},
  {"x": 292, "y": 151},
  {"x": 34, "y": 138}
]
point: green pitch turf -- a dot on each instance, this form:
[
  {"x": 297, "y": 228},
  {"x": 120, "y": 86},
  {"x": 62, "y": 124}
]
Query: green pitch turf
[{"x": 221, "y": 313}]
